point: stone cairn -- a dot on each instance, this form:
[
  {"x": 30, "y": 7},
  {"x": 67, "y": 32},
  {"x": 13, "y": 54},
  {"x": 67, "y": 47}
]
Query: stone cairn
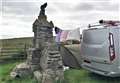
[{"x": 44, "y": 59}]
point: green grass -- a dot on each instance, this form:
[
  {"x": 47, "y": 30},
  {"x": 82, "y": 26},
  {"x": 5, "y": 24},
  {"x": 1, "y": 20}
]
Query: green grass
[
  {"x": 8, "y": 59},
  {"x": 83, "y": 76},
  {"x": 5, "y": 70},
  {"x": 71, "y": 76}
]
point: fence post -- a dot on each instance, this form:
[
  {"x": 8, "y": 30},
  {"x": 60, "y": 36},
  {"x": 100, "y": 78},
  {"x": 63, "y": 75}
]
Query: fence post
[{"x": 25, "y": 51}]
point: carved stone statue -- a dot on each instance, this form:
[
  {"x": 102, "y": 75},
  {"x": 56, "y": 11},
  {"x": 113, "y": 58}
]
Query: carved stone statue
[{"x": 42, "y": 11}]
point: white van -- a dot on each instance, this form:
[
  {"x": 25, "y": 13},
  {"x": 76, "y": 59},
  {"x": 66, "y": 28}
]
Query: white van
[{"x": 100, "y": 48}]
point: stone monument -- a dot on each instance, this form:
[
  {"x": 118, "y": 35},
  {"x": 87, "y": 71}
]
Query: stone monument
[{"x": 44, "y": 59}]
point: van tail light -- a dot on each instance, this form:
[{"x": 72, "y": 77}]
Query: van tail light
[{"x": 111, "y": 47}]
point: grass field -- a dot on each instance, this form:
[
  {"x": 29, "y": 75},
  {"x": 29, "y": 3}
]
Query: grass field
[
  {"x": 71, "y": 75},
  {"x": 83, "y": 76},
  {"x": 6, "y": 68}
]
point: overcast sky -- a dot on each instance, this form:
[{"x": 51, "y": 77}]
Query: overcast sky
[{"x": 17, "y": 16}]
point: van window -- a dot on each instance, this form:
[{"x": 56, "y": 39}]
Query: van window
[{"x": 95, "y": 36}]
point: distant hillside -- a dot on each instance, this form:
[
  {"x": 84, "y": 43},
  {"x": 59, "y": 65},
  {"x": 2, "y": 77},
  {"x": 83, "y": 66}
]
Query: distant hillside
[
  {"x": 14, "y": 45},
  {"x": 15, "y": 42}
]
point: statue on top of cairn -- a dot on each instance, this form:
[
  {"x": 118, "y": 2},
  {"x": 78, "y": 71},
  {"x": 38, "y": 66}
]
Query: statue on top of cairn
[
  {"x": 51, "y": 66},
  {"x": 44, "y": 59}
]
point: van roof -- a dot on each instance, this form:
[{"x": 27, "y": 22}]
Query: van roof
[{"x": 105, "y": 23}]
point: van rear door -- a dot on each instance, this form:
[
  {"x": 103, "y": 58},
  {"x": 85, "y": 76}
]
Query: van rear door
[{"x": 95, "y": 45}]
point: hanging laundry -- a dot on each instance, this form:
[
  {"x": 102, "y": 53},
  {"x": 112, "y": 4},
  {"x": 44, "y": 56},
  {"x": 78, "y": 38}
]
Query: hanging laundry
[
  {"x": 63, "y": 35},
  {"x": 74, "y": 35},
  {"x": 57, "y": 39}
]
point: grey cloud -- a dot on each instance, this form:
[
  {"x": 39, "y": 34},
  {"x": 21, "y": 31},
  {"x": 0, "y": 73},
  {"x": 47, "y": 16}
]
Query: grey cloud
[
  {"x": 51, "y": 10},
  {"x": 19, "y": 8},
  {"x": 101, "y": 0},
  {"x": 61, "y": 6},
  {"x": 18, "y": 19},
  {"x": 83, "y": 16},
  {"x": 24, "y": 9},
  {"x": 80, "y": 6},
  {"x": 84, "y": 7},
  {"x": 5, "y": 23},
  {"x": 91, "y": 17},
  {"x": 107, "y": 7},
  {"x": 98, "y": 5},
  {"x": 29, "y": 8}
]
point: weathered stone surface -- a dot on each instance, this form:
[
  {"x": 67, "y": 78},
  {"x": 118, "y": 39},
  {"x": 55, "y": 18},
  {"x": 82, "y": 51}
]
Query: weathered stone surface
[
  {"x": 47, "y": 78},
  {"x": 51, "y": 76},
  {"x": 21, "y": 71},
  {"x": 44, "y": 59},
  {"x": 50, "y": 58},
  {"x": 38, "y": 75}
]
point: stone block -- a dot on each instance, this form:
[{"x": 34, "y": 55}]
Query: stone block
[
  {"x": 38, "y": 75},
  {"x": 21, "y": 71}
]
